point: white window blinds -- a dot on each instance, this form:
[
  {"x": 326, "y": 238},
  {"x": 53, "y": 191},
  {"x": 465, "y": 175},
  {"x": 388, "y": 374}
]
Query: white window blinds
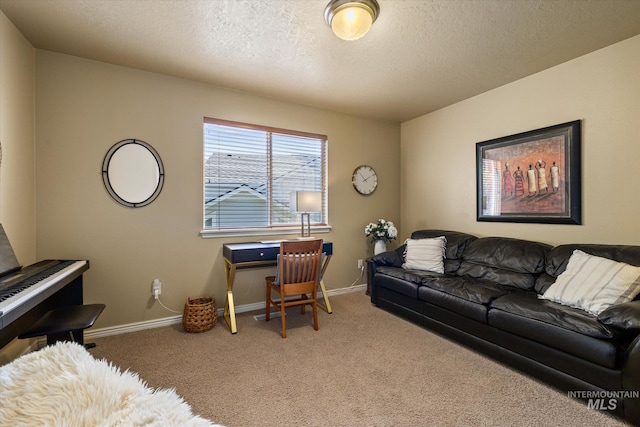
[{"x": 250, "y": 172}]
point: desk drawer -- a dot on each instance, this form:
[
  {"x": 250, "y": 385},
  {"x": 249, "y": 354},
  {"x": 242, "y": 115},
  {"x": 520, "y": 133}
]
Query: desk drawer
[
  {"x": 237, "y": 253},
  {"x": 253, "y": 255}
]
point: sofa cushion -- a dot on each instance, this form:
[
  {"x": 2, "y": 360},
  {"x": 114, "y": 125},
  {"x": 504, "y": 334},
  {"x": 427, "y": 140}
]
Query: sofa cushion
[
  {"x": 425, "y": 254},
  {"x": 506, "y": 261},
  {"x": 464, "y": 295},
  {"x": 414, "y": 276},
  {"x": 456, "y": 244},
  {"x": 468, "y": 288},
  {"x": 593, "y": 283},
  {"x": 400, "y": 280},
  {"x": 457, "y": 305},
  {"x": 543, "y": 282},
  {"x": 527, "y": 304},
  {"x": 456, "y": 241},
  {"x": 564, "y": 328},
  {"x": 558, "y": 257}
]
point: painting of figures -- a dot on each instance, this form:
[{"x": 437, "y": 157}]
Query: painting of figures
[{"x": 531, "y": 177}]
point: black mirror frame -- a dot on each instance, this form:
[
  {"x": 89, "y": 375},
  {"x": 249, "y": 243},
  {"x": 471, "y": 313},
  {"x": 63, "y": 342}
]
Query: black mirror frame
[{"x": 107, "y": 182}]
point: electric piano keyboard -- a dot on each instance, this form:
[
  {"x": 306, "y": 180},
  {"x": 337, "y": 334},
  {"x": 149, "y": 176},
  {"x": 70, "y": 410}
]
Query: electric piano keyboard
[{"x": 22, "y": 291}]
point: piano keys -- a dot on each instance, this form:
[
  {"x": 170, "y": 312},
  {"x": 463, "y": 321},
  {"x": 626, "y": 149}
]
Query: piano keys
[
  {"x": 37, "y": 282},
  {"x": 27, "y": 293}
]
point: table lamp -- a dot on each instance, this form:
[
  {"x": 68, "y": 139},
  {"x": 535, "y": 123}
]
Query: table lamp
[{"x": 305, "y": 202}]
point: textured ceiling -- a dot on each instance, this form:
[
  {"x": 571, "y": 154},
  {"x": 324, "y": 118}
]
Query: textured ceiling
[{"x": 418, "y": 57}]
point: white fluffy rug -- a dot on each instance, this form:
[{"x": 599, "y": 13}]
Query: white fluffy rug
[{"x": 63, "y": 385}]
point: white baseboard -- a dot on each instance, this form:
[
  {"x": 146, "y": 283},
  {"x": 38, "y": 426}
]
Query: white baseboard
[{"x": 174, "y": 320}]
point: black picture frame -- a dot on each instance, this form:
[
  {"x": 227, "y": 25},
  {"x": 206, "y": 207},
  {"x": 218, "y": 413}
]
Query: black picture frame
[{"x": 531, "y": 177}]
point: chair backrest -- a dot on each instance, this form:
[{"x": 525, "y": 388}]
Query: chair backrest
[{"x": 300, "y": 262}]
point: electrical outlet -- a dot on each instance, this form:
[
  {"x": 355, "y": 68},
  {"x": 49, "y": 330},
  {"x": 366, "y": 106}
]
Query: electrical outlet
[
  {"x": 360, "y": 264},
  {"x": 156, "y": 288}
]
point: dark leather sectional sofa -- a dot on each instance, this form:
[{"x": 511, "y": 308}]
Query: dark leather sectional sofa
[{"x": 487, "y": 299}]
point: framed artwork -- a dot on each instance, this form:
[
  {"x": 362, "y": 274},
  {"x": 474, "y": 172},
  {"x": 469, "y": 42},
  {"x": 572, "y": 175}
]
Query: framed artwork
[{"x": 531, "y": 177}]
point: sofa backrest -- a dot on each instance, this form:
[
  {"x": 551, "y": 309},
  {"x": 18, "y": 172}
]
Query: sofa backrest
[
  {"x": 506, "y": 261},
  {"x": 456, "y": 244},
  {"x": 558, "y": 257}
]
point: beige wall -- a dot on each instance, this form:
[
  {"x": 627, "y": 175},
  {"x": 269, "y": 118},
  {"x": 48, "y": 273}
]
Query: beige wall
[
  {"x": 17, "y": 174},
  {"x": 602, "y": 89},
  {"x": 84, "y": 107}
]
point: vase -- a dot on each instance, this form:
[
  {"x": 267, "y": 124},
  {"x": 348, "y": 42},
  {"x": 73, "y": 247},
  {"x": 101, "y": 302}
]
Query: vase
[{"x": 379, "y": 247}]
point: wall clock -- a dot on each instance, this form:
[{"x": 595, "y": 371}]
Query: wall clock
[{"x": 364, "y": 179}]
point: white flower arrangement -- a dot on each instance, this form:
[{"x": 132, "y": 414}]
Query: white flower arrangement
[{"x": 381, "y": 230}]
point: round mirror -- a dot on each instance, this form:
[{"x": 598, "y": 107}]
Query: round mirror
[{"x": 133, "y": 173}]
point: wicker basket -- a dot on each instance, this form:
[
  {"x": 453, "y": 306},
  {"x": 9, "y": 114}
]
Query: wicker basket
[{"x": 200, "y": 314}]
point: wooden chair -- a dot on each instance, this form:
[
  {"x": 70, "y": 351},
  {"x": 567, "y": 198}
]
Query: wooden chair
[{"x": 298, "y": 274}]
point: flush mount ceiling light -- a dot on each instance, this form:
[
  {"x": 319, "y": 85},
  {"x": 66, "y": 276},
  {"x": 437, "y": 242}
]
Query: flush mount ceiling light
[{"x": 351, "y": 19}]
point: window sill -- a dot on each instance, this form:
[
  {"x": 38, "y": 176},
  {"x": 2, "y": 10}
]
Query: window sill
[{"x": 241, "y": 232}]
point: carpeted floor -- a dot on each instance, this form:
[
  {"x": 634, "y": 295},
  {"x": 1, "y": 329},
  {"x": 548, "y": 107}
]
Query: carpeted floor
[
  {"x": 364, "y": 367},
  {"x": 62, "y": 385}
]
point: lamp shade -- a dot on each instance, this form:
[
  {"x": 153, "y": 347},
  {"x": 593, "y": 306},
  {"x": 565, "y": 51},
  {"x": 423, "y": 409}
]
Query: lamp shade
[
  {"x": 351, "y": 19},
  {"x": 306, "y": 201}
]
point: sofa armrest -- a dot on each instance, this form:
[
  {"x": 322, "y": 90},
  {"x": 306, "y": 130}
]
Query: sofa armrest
[
  {"x": 624, "y": 316},
  {"x": 631, "y": 380},
  {"x": 394, "y": 258}
]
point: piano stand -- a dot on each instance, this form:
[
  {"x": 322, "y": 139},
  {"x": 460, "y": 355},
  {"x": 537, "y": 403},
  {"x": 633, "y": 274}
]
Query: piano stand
[{"x": 65, "y": 324}]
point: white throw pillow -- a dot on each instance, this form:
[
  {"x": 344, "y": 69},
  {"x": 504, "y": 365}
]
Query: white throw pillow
[
  {"x": 594, "y": 283},
  {"x": 425, "y": 254}
]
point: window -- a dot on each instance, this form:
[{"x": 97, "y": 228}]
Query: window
[{"x": 250, "y": 172}]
